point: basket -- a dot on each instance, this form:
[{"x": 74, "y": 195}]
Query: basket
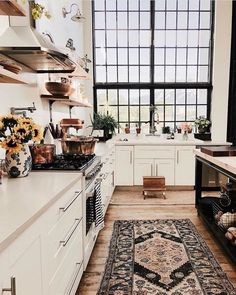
[{"x": 218, "y": 211}]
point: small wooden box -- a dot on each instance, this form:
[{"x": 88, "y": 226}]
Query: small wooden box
[{"x": 154, "y": 184}]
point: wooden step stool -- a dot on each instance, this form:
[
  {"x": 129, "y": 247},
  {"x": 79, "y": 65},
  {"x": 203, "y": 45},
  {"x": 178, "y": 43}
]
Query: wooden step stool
[{"x": 154, "y": 184}]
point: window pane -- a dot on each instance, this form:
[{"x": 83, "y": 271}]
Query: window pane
[
  {"x": 112, "y": 96},
  {"x": 111, "y": 74},
  {"x": 180, "y": 96},
  {"x": 159, "y": 96},
  {"x": 113, "y": 111},
  {"x": 134, "y": 113},
  {"x": 170, "y": 74},
  {"x": 204, "y": 38},
  {"x": 201, "y": 111},
  {"x": 144, "y": 74},
  {"x": 145, "y": 96},
  {"x": 99, "y": 5},
  {"x": 111, "y": 56},
  {"x": 193, "y": 20},
  {"x": 160, "y": 20},
  {"x": 171, "y": 4},
  {"x": 122, "y": 74},
  {"x": 191, "y": 113},
  {"x": 111, "y": 20},
  {"x": 134, "y": 38},
  {"x": 205, "y": 20},
  {"x": 134, "y": 96},
  {"x": 122, "y": 5},
  {"x": 122, "y": 20},
  {"x": 171, "y": 38},
  {"x": 171, "y": 20},
  {"x": 202, "y": 96},
  {"x": 133, "y": 20},
  {"x": 111, "y": 38},
  {"x": 159, "y": 38},
  {"x": 203, "y": 56},
  {"x": 100, "y": 73},
  {"x": 145, "y": 38},
  {"x": 100, "y": 20},
  {"x": 159, "y": 56},
  {"x": 182, "y": 4},
  {"x": 194, "y": 4},
  {"x": 133, "y": 74},
  {"x": 145, "y": 20},
  {"x": 144, "y": 56},
  {"x": 191, "y": 96},
  {"x": 180, "y": 113},
  {"x": 193, "y": 38},
  {"x": 110, "y": 5},
  {"x": 100, "y": 38},
  {"x": 100, "y": 56},
  {"x": 159, "y": 74},
  {"x": 144, "y": 113},
  {"x": 169, "y": 113},
  {"x": 181, "y": 56},
  {"x": 123, "y": 113},
  {"x": 191, "y": 74},
  {"x": 203, "y": 74},
  {"x": 102, "y": 96},
  {"x": 181, "y": 74},
  {"x": 133, "y": 4},
  {"x": 144, "y": 5},
  {"x": 160, "y": 5},
  {"x": 122, "y": 38},
  {"x": 182, "y": 38},
  {"x": 192, "y": 56},
  {"x": 182, "y": 20},
  {"x": 133, "y": 56},
  {"x": 123, "y": 96},
  {"x": 122, "y": 56},
  {"x": 170, "y": 56},
  {"x": 169, "y": 96}
]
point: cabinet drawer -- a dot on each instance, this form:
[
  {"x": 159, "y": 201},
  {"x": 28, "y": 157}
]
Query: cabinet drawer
[
  {"x": 63, "y": 206},
  {"x": 56, "y": 242},
  {"x": 154, "y": 152},
  {"x": 68, "y": 274}
]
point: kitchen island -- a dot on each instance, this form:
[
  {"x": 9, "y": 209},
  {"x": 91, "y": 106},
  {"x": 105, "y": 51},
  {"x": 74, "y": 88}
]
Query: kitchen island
[{"x": 227, "y": 167}]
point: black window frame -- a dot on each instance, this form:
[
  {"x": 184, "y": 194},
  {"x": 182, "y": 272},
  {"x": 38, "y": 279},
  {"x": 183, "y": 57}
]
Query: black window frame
[{"x": 156, "y": 85}]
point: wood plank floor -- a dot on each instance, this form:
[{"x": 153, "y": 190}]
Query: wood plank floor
[{"x": 139, "y": 210}]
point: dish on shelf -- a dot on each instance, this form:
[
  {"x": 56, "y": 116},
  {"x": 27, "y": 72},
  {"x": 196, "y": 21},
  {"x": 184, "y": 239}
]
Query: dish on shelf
[
  {"x": 10, "y": 66},
  {"x": 57, "y": 88}
]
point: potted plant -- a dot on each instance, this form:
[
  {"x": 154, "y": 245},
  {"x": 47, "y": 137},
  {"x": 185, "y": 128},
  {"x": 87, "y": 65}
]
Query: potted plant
[
  {"x": 105, "y": 122},
  {"x": 202, "y": 124}
]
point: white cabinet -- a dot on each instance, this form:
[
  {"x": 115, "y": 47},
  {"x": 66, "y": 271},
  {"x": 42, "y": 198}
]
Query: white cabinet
[
  {"x": 166, "y": 168},
  {"x": 154, "y": 161},
  {"x": 184, "y": 165},
  {"x": 124, "y": 165},
  {"x": 5, "y": 277},
  {"x": 142, "y": 167}
]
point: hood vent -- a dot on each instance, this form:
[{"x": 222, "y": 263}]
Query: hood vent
[{"x": 30, "y": 48}]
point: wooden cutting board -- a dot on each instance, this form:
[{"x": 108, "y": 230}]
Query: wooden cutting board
[{"x": 219, "y": 151}]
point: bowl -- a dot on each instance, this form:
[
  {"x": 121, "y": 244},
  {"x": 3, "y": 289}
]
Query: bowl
[{"x": 57, "y": 88}]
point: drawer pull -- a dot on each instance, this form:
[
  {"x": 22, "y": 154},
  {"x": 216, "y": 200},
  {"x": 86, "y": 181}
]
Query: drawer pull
[
  {"x": 64, "y": 209},
  {"x": 70, "y": 234},
  {"x": 76, "y": 272},
  {"x": 13, "y": 287}
]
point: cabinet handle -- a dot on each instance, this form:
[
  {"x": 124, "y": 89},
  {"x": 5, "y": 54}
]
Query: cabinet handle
[
  {"x": 130, "y": 157},
  {"x": 70, "y": 234},
  {"x": 71, "y": 202},
  {"x": 13, "y": 287},
  {"x": 152, "y": 170},
  {"x": 76, "y": 272},
  {"x": 177, "y": 157},
  {"x": 156, "y": 169}
]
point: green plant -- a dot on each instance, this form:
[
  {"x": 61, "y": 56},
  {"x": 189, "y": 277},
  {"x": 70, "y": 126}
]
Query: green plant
[
  {"x": 202, "y": 122},
  {"x": 104, "y": 122},
  {"x": 37, "y": 10}
]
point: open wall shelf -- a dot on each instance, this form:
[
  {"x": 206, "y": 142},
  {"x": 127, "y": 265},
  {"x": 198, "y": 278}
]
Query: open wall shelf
[
  {"x": 67, "y": 100},
  {"x": 11, "y": 7},
  {"x": 79, "y": 73},
  {"x": 9, "y": 77}
]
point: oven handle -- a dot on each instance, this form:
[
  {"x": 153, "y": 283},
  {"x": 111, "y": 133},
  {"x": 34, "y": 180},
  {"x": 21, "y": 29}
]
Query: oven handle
[
  {"x": 91, "y": 192},
  {"x": 66, "y": 207}
]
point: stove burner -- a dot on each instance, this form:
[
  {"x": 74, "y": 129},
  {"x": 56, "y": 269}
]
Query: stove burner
[{"x": 66, "y": 162}]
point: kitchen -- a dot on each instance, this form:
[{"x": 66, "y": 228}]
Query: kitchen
[{"x": 52, "y": 220}]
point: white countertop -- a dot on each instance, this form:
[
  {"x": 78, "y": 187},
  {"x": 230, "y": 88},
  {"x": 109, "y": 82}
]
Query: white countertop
[
  {"x": 227, "y": 163},
  {"x": 133, "y": 139},
  {"x": 23, "y": 200}
]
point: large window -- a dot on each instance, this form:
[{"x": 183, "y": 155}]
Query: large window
[{"x": 153, "y": 53}]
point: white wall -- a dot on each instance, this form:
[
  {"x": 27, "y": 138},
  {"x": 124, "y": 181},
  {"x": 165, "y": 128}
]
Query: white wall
[
  {"x": 14, "y": 95},
  {"x": 221, "y": 68}
]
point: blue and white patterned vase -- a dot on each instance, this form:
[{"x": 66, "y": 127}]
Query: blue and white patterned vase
[{"x": 18, "y": 164}]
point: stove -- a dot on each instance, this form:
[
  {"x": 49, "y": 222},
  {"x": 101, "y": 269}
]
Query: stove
[{"x": 67, "y": 162}]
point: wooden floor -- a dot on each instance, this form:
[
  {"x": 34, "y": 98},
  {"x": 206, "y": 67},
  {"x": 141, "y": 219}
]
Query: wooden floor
[{"x": 91, "y": 279}]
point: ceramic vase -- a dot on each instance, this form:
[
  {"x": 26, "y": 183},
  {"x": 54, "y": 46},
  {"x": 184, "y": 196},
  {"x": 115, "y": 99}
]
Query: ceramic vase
[{"x": 18, "y": 164}]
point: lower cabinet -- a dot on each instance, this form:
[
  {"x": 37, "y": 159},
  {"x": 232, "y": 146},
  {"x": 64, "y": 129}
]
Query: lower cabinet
[
  {"x": 185, "y": 166},
  {"x": 153, "y": 167},
  {"x": 124, "y": 165}
]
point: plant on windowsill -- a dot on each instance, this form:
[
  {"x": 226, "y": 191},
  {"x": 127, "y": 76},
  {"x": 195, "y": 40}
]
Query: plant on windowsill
[
  {"x": 202, "y": 124},
  {"x": 37, "y": 10},
  {"x": 105, "y": 122}
]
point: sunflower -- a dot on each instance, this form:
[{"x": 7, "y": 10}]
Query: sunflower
[
  {"x": 37, "y": 133},
  {"x": 21, "y": 129},
  {"x": 23, "y": 120},
  {"x": 10, "y": 145}
]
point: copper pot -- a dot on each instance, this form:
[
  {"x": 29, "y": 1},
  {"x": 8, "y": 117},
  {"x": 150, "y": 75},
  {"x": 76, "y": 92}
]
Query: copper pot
[
  {"x": 79, "y": 145},
  {"x": 42, "y": 153}
]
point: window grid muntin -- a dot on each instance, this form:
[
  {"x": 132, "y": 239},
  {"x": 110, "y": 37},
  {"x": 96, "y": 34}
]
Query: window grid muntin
[{"x": 151, "y": 88}]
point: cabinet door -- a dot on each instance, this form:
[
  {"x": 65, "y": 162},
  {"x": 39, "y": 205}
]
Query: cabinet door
[
  {"x": 5, "y": 277},
  {"x": 124, "y": 165},
  {"x": 27, "y": 270},
  {"x": 142, "y": 167},
  {"x": 184, "y": 166},
  {"x": 166, "y": 168}
]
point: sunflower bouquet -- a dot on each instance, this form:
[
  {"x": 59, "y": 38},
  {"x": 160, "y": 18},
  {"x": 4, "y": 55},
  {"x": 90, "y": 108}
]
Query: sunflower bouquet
[{"x": 15, "y": 131}]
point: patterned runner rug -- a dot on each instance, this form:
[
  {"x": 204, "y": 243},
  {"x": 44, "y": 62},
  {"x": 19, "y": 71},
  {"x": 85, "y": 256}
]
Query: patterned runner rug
[{"x": 161, "y": 257}]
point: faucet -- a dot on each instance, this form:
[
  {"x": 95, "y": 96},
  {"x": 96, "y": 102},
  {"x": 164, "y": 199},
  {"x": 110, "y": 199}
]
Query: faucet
[
  {"x": 154, "y": 120},
  {"x": 22, "y": 111}
]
